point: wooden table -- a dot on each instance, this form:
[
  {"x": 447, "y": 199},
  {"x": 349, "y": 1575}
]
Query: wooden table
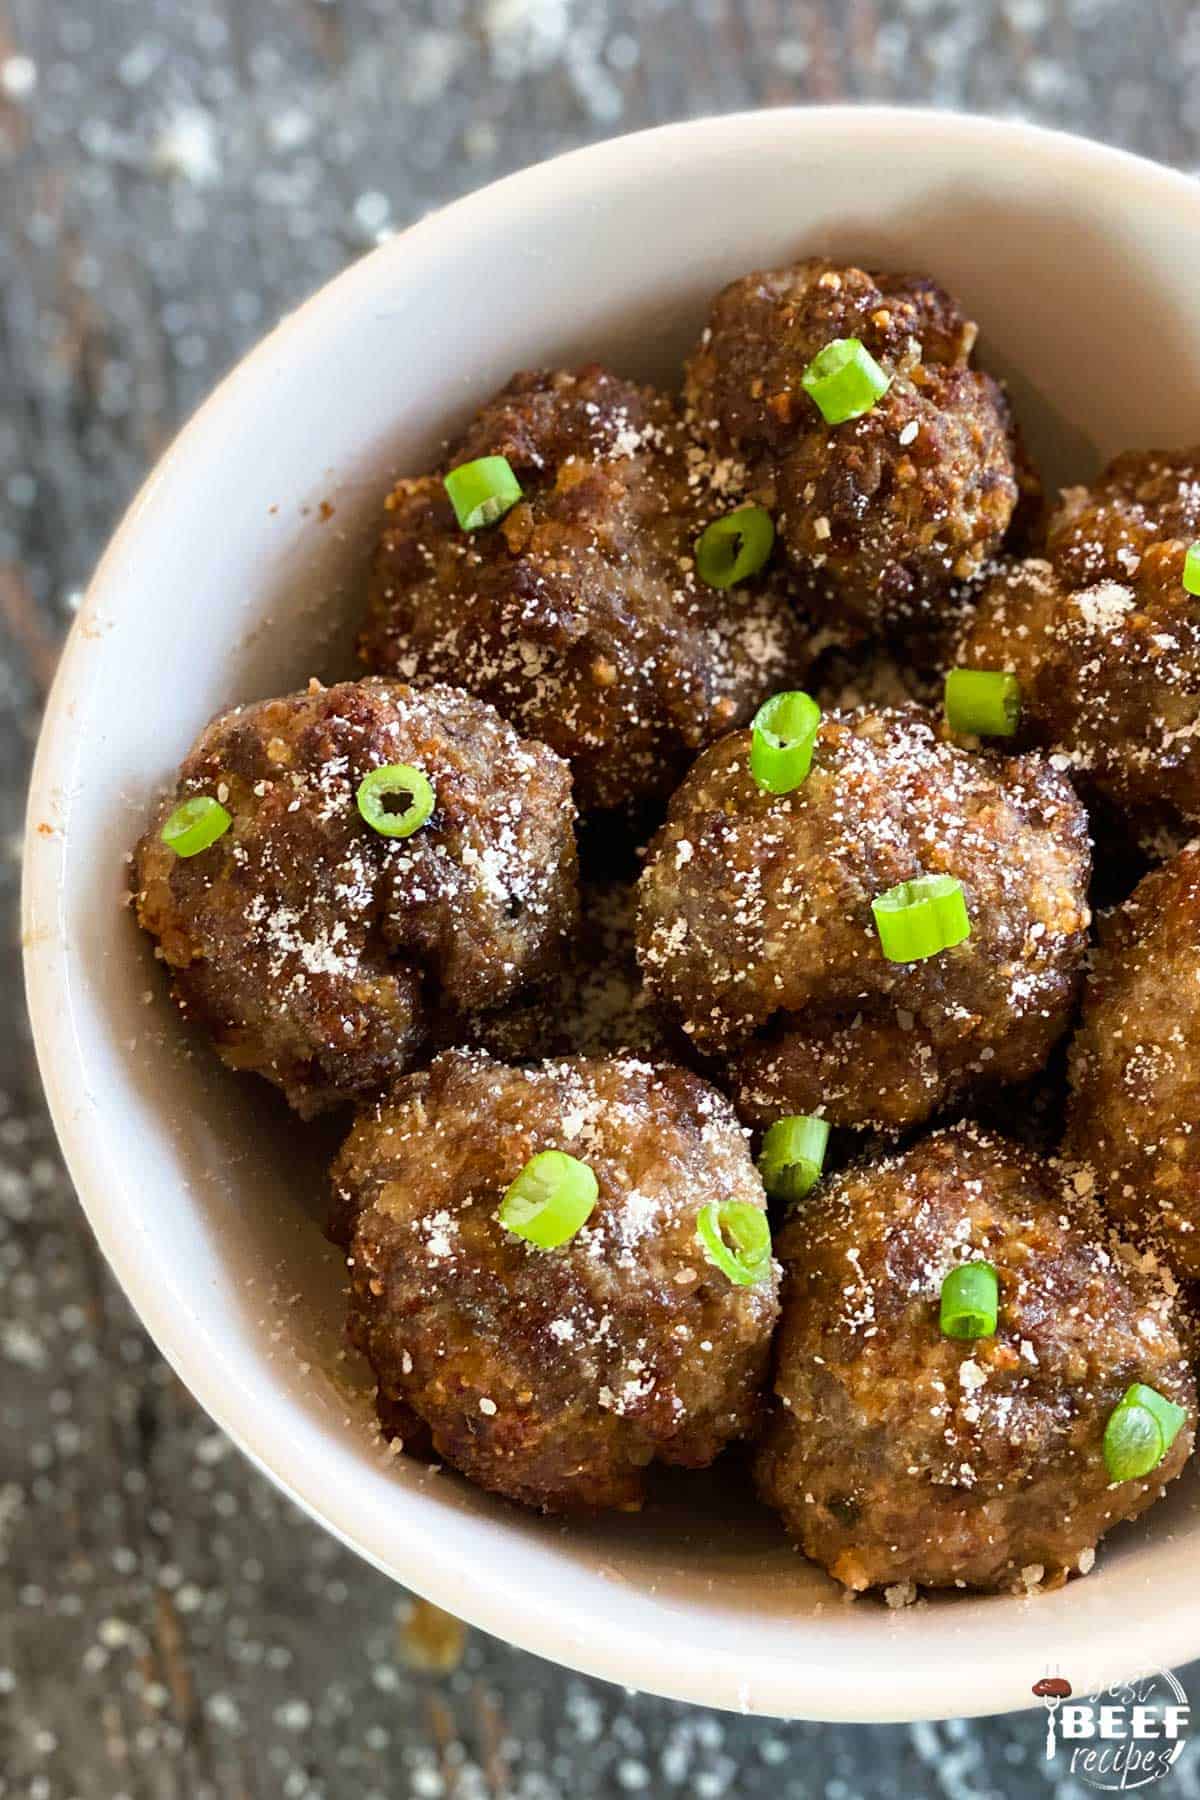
[{"x": 172, "y": 176}]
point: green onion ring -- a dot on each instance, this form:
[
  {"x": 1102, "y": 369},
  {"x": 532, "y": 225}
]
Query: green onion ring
[
  {"x": 983, "y": 702},
  {"x": 844, "y": 380},
  {"x": 550, "y": 1200},
  {"x": 482, "y": 491},
  {"x": 1191, "y": 569},
  {"x": 1141, "y": 1429},
  {"x": 195, "y": 824},
  {"x": 921, "y": 918},
  {"x": 737, "y": 1238},
  {"x": 782, "y": 738},
  {"x": 734, "y": 547},
  {"x": 792, "y": 1156},
  {"x": 386, "y": 783},
  {"x": 970, "y": 1303}
]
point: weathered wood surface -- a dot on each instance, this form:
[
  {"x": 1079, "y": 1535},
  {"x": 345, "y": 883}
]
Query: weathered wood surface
[{"x": 172, "y": 176}]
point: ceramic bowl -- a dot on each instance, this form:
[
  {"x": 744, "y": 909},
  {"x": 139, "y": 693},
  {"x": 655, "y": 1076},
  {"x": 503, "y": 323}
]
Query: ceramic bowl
[{"x": 237, "y": 573}]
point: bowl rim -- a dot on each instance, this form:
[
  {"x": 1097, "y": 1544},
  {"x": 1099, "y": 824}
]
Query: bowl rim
[{"x": 433, "y": 1564}]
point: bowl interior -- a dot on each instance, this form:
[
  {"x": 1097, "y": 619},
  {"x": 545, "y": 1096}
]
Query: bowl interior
[{"x": 237, "y": 574}]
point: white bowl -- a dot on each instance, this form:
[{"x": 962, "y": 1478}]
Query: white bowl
[{"x": 224, "y": 583}]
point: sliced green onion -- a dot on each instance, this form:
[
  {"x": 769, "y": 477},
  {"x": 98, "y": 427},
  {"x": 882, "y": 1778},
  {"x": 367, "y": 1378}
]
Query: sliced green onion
[
  {"x": 1141, "y": 1429},
  {"x": 1191, "y": 569},
  {"x": 970, "y": 1301},
  {"x": 482, "y": 491},
  {"x": 782, "y": 737},
  {"x": 844, "y": 380},
  {"x": 1133, "y": 1443},
  {"x": 393, "y": 781},
  {"x": 194, "y": 825},
  {"x": 734, "y": 547},
  {"x": 985, "y": 702},
  {"x": 1171, "y": 1418},
  {"x": 737, "y": 1238},
  {"x": 792, "y": 1156},
  {"x": 921, "y": 918},
  {"x": 551, "y": 1198}
]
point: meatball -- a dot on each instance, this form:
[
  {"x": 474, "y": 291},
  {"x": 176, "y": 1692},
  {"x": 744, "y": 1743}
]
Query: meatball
[
  {"x": 1106, "y": 640},
  {"x": 554, "y": 1377},
  {"x": 898, "y": 1455},
  {"x": 886, "y": 513},
  {"x": 313, "y": 949},
  {"x": 755, "y": 922},
  {"x": 1135, "y": 1064},
  {"x": 580, "y": 616}
]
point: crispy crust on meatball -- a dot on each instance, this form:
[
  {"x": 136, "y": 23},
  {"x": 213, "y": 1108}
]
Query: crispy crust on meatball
[
  {"x": 885, "y": 513},
  {"x": 554, "y": 1377},
  {"x": 755, "y": 922},
  {"x": 1135, "y": 1064},
  {"x": 313, "y": 949},
  {"x": 1106, "y": 640},
  {"x": 580, "y": 615},
  {"x": 897, "y": 1455}
]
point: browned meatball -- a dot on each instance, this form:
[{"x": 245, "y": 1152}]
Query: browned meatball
[
  {"x": 580, "y": 615},
  {"x": 755, "y": 921},
  {"x": 885, "y": 513},
  {"x": 1106, "y": 640},
  {"x": 1135, "y": 1064},
  {"x": 313, "y": 949},
  {"x": 897, "y": 1455},
  {"x": 554, "y": 1376}
]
